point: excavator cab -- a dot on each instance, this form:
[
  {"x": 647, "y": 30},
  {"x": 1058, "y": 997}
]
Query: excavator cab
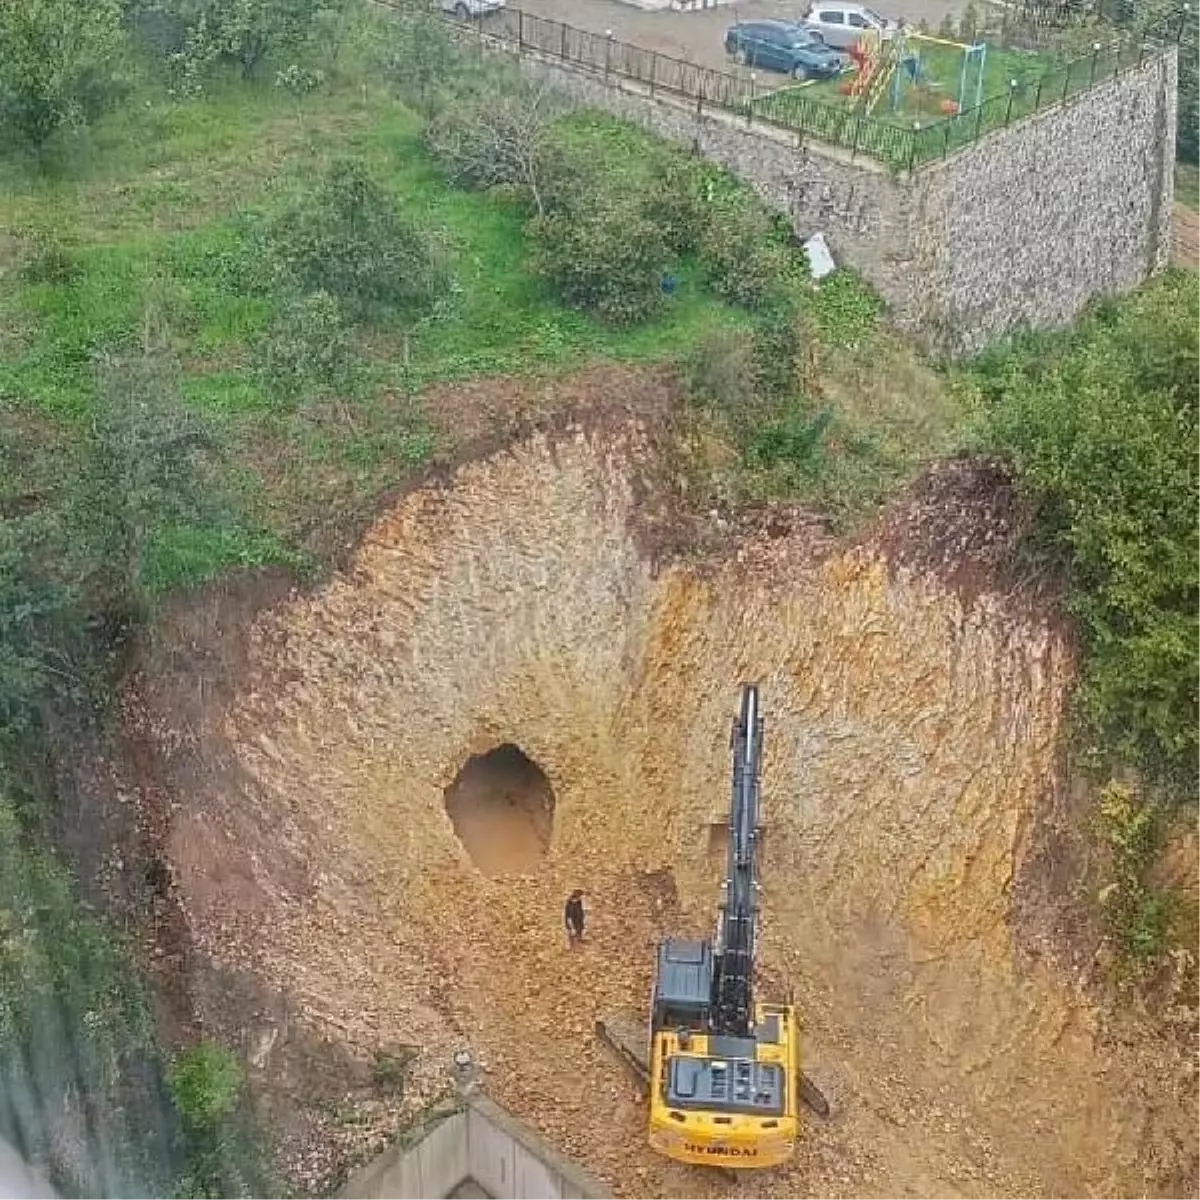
[{"x": 717, "y": 1099}]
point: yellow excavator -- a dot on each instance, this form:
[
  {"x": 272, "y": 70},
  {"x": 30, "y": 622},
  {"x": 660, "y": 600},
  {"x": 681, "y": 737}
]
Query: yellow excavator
[{"x": 722, "y": 1069}]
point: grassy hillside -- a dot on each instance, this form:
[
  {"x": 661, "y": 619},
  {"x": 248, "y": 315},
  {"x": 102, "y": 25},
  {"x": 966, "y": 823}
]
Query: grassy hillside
[{"x": 166, "y": 216}]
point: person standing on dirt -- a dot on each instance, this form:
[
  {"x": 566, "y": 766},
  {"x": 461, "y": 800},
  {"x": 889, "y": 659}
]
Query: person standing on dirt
[{"x": 573, "y": 918}]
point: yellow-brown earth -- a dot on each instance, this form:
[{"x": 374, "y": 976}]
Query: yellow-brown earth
[{"x": 911, "y": 741}]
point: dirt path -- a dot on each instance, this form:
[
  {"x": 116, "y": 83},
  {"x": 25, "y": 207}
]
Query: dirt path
[
  {"x": 910, "y": 740},
  {"x": 1185, "y": 237}
]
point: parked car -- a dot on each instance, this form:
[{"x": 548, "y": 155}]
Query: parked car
[
  {"x": 784, "y": 46},
  {"x": 842, "y": 25},
  {"x": 464, "y": 10}
]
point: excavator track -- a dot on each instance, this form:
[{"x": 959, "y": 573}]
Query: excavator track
[{"x": 627, "y": 1038}]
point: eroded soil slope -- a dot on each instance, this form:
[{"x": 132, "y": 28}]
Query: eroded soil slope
[{"x": 911, "y": 735}]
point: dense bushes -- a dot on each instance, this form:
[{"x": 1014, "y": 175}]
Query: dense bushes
[
  {"x": 348, "y": 238},
  {"x": 1102, "y": 426},
  {"x": 610, "y": 260},
  {"x": 612, "y": 212},
  {"x": 192, "y": 36}
]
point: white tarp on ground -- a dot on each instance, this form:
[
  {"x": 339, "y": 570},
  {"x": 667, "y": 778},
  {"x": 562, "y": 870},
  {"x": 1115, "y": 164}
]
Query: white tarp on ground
[{"x": 820, "y": 260}]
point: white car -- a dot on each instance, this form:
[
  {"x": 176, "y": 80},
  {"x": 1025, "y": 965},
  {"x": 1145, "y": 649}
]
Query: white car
[
  {"x": 841, "y": 25},
  {"x": 464, "y": 10}
]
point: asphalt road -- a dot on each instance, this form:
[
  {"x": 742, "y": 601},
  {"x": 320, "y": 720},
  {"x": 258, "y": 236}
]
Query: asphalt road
[{"x": 698, "y": 36}]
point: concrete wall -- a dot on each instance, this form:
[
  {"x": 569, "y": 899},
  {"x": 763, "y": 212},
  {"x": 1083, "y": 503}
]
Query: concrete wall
[
  {"x": 1022, "y": 227},
  {"x": 428, "y": 1161},
  {"x": 478, "y": 1142},
  {"x": 509, "y": 1161}
]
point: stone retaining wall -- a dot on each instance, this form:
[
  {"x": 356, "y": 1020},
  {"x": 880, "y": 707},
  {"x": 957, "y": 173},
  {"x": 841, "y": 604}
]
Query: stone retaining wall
[{"x": 1022, "y": 227}]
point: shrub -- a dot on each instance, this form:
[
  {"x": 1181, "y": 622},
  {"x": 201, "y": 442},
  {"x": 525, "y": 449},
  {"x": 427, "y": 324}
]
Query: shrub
[
  {"x": 60, "y": 66},
  {"x": 778, "y": 346},
  {"x": 421, "y": 61},
  {"x": 49, "y": 258},
  {"x": 206, "y": 1085},
  {"x": 794, "y": 440},
  {"x": 498, "y": 140},
  {"x": 308, "y": 348},
  {"x": 149, "y": 462},
  {"x": 744, "y": 258},
  {"x": 348, "y": 239},
  {"x": 845, "y": 309},
  {"x": 245, "y": 32},
  {"x": 679, "y": 202},
  {"x": 1102, "y": 427},
  {"x": 298, "y": 82},
  {"x": 609, "y": 260}
]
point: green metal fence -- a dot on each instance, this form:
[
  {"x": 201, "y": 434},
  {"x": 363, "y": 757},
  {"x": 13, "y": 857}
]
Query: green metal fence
[{"x": 900, "y": 146}]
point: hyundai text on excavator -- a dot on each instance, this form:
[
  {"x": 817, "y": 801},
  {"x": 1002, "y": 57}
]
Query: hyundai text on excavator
[{"x": 723, "y": 1068}]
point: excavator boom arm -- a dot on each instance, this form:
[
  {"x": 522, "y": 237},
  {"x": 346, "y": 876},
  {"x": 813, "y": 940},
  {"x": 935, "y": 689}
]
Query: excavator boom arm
[{"x": 733, "y": 1008}]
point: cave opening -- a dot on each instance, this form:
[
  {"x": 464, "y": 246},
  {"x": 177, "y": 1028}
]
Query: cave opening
[{"x": 501, "y": 805}]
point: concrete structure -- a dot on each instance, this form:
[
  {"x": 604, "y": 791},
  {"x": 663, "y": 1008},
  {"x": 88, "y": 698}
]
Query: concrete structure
[
  {"x": 471, "y": 1148},
  {"x": 1020, "y": 228}
]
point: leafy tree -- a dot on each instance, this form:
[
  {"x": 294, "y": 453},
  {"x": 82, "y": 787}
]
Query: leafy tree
[
  {"x": 606, "y": 258},
  {"x": 1102, "y": 426},
  {"x": 680, "y": 200},
  {"x": 60, "y": 66},
  {"x": 1167, "y": 20},
  {"x": 195, "y": 34},
  {"x": 422, "y": 62},
  {"x": 1187, "y": 138},
  {"x": 349, "y": 239},
  {"x": 298, "y": 82}
]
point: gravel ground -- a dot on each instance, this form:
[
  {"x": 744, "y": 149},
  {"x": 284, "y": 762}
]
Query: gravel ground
[{"x": 698, "y": 36}]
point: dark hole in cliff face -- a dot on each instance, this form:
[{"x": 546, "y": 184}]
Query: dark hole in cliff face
[{"x": 502, "y": 807}]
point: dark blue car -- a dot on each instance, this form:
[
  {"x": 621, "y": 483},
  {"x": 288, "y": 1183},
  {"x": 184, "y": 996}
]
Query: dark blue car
[{"x": 784, "y": 46}]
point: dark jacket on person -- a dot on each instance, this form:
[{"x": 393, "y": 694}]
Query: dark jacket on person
[{"x": 573, "y": 914}]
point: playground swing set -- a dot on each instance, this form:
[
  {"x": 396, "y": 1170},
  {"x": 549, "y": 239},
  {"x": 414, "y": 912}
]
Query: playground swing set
[{"x": 895, "y": 68}]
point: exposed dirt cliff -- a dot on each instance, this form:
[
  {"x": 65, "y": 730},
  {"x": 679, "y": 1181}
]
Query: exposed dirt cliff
[{"x": 913, "y": 719}]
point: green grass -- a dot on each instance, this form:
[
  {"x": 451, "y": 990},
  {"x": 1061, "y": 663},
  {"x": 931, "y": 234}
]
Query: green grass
[{"x": 161, "y": 212}]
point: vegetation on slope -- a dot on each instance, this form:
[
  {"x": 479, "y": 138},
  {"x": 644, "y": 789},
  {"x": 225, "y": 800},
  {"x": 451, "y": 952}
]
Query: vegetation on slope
[
  {"x": 240, "y": 237},
  {"x": 1101, "y": 424}
]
